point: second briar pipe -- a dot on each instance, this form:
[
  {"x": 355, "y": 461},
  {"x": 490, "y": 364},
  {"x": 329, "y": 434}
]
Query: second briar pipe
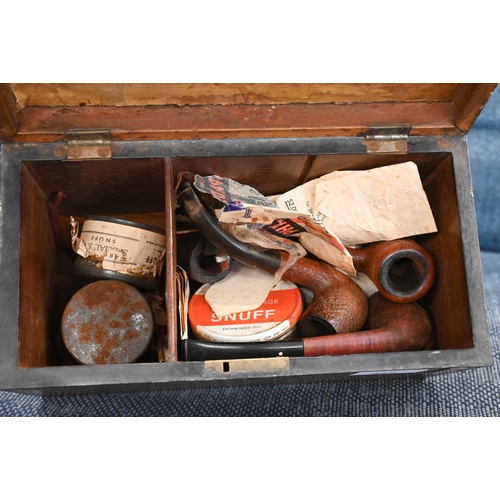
[
  {"x": 402, "y": 270},
  {"x": 392, "y": 327},
  {"x": 339, "y": 305}
]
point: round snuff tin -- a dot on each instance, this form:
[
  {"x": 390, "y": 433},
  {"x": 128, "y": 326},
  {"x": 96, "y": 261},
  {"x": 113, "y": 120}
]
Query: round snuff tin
[
  {"x": 117, "y": 249},
  {"x": 274, "y": 319},
  {"x": 107, "y": 322}
]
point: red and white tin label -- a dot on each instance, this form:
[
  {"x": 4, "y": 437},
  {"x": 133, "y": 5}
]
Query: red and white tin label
[{"x": 274, "y": 319}]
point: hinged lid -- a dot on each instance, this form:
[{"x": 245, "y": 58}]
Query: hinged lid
[{"x": 44, "y": 112}]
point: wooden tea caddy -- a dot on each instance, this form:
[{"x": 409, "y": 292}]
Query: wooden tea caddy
[{"x": 115, "y": 149}]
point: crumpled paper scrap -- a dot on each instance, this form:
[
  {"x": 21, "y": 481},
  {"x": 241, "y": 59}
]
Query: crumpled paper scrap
[
  {"x": 245, "y": 205},
  {"x": 383, "y": 203},
  {"x": 118, "y": 247},
  {"x": 243, "y": 289}
]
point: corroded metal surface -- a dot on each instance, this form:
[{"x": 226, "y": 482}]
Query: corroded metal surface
[
  {"x": 90, "y": 269},
  {"x": 107, "y": 322}
]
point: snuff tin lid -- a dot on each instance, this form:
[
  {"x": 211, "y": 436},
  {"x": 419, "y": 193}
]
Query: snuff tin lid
[{"x": 274, "y": 319}]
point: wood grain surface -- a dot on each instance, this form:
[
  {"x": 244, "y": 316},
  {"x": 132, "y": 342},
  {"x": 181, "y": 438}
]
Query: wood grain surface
[
  {"x": 181, "y": 94},
  {"x": 218, "y": 111}
]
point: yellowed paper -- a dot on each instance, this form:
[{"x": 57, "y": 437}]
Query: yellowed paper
[
  {"x": 243, "y": 289},
  {"x": 286, "y": 223},
  {"x": 328, "y": 253},
  {"x": 302, "y": 198},
  {"x": 358, "y": 206},
  {"x": 157, "y": 308},
  {"x": 380, "y": 204},
  {"x": 183, "y": 293},
  {"x": 118, "y": 247}
]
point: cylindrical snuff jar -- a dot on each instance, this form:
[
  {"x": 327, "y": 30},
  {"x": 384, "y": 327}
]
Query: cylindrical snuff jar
[{"x": 110, "y": 248}]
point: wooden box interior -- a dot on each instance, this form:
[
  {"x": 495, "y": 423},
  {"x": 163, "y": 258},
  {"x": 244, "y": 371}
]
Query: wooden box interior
[
  {"x": 136, "y": 190},
  {"x": 131, "y": 190}
]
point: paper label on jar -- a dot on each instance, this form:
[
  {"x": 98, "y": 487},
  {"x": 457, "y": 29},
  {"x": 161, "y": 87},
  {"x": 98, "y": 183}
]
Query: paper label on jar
[{"x": 118, "y": 247}]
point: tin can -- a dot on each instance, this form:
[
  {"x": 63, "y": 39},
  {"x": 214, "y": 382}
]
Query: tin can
[
  {"x": 107, "y": 322},
  {"x": 274, "y": 319},
  {"x": 117, "y": 249}
]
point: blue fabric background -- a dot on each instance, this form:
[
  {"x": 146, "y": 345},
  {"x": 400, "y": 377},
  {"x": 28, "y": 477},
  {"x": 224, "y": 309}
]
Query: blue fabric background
[
  {"x": 465, "y": 393},
  {"x": 484, "y": 141}
]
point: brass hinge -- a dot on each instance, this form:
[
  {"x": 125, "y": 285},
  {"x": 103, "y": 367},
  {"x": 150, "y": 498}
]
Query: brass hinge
[
  {"x": 88, "y": 144},
  {"x": 387, "y": 139}
]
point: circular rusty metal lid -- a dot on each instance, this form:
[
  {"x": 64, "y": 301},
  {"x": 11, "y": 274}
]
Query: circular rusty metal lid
[{"x": 107, "y": 322}]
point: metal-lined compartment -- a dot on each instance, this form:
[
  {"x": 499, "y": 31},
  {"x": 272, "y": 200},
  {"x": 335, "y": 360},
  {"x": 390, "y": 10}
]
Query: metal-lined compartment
[{"x": 137, "y": 183}]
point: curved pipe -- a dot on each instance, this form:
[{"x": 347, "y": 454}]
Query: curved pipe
[
  {"x": 338, "y": 305},
  {"x": 392, "y": 327},
  {"x": 402, "y": 270},
  {"x": 268, "y": 261}
]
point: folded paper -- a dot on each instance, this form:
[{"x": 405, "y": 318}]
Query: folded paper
[{"x": 379, "y": 204}]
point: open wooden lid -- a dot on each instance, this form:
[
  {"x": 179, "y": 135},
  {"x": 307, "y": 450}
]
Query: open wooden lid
[{"x": 31, "y": 112}]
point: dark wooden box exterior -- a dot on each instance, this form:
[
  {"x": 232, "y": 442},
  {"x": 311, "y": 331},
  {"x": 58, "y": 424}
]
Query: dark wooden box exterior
[{"x": 273, "y": 137}]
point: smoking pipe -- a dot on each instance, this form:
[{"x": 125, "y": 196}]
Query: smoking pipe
[
  {"x": 339, "y": 305},
  {"x": 401, "y": 269},
  {"x": 392, "y": 327}
]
